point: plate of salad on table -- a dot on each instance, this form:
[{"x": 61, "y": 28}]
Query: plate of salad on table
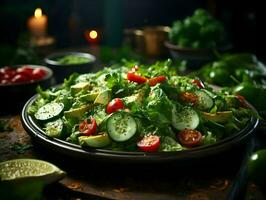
[{"x": 133, "y": 112}]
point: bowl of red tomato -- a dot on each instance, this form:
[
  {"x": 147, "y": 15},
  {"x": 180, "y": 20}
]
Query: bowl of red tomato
[{"x": 19, "y": 82}]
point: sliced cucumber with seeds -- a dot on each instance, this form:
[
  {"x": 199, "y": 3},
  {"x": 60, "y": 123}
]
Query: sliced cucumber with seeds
[
  {"x": 54, "y": 128},
  {"x": 185, "y": 118},
  {"x": 121, "y": 126},
  {"x": 205, "y": 101},
  {"x": 49, "y": 111}
]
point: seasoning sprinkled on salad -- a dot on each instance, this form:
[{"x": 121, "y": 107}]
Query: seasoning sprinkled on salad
[{"x": 133, "y": 107}]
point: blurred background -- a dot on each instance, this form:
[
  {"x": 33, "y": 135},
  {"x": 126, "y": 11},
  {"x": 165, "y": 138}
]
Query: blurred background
[{"x": 70, "y": 22}]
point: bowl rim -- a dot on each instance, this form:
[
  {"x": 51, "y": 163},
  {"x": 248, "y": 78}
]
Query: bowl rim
[
  {"x": 174, "y": 47},
  {"x": 68, "y": 148},
  {"x": 50, "y": 58},
  {"x": 48, "y": 75}
]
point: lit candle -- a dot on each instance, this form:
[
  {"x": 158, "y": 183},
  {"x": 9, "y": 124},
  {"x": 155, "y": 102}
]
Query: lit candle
[
  {"x": 38, "y": 23},
  {"x": 92, "y": 36}
]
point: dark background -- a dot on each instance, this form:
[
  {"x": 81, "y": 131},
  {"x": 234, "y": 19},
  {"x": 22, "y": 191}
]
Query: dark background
[{"x": 68, "y": 19}]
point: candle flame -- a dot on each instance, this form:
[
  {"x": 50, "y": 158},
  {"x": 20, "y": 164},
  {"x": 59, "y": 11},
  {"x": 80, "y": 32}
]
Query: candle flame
[
  {"x": 38, "y": 13},
  {"x": 93, "y": 34}
]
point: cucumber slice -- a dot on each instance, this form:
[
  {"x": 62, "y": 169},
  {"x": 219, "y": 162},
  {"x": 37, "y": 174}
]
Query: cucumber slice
[
  {"x": 97, "y": 141},
  {"x": 205, "y": 101},
  {"x": 54, "y": 128},
  {"x": 121, "y": 126},
  {"x": 49, "y": 111},
  {"x": 185, "y": 118}
]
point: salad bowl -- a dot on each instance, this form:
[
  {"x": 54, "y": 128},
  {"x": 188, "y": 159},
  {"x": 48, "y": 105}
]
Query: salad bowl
[
  {"x": 101, "y": 131},
  {"x": 76, "y": 151}
]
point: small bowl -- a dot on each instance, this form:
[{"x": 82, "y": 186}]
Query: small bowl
[
  {"x": 154, "y": 37},
  {"x": 14, "y": 95},
  {"x": 195, "y": 57},
  {"x": 62, "y": 71}
]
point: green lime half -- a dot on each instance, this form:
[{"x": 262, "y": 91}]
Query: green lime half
[
  {"x": 26, "y": 178},
  {"x": 30, "y": 169},
  {"x": 257, "y": 167}
]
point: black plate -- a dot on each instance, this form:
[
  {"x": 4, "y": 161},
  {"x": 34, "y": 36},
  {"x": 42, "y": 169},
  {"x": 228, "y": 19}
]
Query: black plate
[{"x": 73, "y": 150}]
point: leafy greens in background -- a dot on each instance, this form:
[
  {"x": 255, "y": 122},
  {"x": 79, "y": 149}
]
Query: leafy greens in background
[
  {"x": 242, "y": 74},
  {"x": 201, "y": 30}
]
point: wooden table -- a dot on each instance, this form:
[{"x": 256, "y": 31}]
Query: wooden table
[{"x": 95, "y": 180}]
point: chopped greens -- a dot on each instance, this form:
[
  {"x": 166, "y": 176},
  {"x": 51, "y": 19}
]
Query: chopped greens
[{"x": 21, "y": 148}]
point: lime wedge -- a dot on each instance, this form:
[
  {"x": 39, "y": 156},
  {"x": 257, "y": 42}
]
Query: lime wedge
[
  {"x": 26, "y": 178},
  {"x": 30, "y": 169}
]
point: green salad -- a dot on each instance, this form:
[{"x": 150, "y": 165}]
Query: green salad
[{"x": 133, "y": 107}]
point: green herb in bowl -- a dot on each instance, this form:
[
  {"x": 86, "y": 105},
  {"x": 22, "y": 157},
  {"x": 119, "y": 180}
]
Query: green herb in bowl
[
  {"x": 64, "y": 64},
  {"x": 200, "y": 30},
  {"x": 72, "y": 59}
]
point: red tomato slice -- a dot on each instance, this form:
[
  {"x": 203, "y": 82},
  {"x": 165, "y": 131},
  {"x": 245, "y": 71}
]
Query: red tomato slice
[
  {"x": 8, "y": 70},
  {"x": 149, "y": 143},
  {"x": 7, "y": 73},
  {"x": 198, "y": 82},
  {"x": 188, "y": 97},
  {"x": 19, "y": 78},
  {"x": 136, "y": 78},
  {"x": 25, "y": 71},
  {"x": 38, "y": 74},
  {"x": 153, "y": 81},
  {"x": 114, "y": 105},
  {"x": 88, "y": 128},
  {"x": 189, "y": 137}
]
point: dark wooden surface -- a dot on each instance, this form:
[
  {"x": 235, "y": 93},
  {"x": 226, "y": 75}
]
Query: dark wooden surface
[{"x": 206, "y": 179}]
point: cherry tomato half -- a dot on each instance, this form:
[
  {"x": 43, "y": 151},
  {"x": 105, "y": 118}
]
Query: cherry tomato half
[
  {"x": 8, "y": 71},
  {"x": 136, "y": 78},
  {"x": 19, "y": 78},
  {"x": 38, "y": 73},
  {"x": 198, "y": 82},
  {"x": 21, "y": 74},
  {"x": 189, "y": 137},
  {"x": 149, "y": 143},
  {"x": 188, "y": 97},
  {"x": 88, "y": 128},
  {"x": 25, "y": 71},
  {"x": 114, "y": 105},
  {"x": 158, "y": 79},
  {"x": 6, "y": 74}
]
